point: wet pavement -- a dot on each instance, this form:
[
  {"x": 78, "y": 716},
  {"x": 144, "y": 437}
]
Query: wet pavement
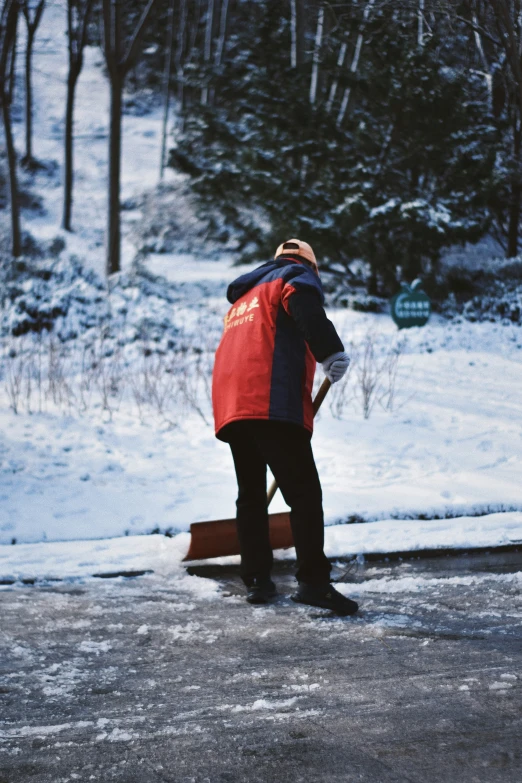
[{"x": 132, "y": 680}]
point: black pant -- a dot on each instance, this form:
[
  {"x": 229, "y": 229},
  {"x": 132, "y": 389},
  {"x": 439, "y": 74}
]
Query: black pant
[{"x": 287, "y": 450}]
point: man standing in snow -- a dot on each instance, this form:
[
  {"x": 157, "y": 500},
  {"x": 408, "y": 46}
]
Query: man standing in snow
[{"x": 275, "y": 332}]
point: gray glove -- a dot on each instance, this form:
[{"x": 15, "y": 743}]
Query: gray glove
[{"x": 335, "y": 366}]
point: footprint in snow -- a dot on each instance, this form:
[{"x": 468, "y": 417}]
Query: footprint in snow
[{"x": 113, "y": 467}]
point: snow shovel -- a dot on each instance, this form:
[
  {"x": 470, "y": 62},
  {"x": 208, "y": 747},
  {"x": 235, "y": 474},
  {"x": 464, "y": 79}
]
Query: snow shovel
[{"x": 219, "y": 538}]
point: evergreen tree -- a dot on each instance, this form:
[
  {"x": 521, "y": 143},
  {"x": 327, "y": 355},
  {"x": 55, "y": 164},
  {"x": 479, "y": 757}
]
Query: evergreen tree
[{"x": 408, "y": 170}]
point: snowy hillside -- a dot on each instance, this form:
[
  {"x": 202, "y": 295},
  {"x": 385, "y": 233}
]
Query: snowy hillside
[
  {"x": 450, "y": 446},
  {"x": 112, "y": 433}
]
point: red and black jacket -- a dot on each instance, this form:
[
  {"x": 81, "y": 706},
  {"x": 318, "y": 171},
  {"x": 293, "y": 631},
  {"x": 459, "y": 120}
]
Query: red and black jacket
[{"x": 274, "y": 333}]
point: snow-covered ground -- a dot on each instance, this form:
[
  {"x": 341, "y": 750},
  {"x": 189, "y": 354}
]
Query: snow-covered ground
[{"x": 449, "y": 445}]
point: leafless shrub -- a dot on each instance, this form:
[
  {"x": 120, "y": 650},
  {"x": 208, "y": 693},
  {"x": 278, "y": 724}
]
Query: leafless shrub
[
  {"x": 342, "y": 393},
  {"x": 192, "y": 384},
  {"x": 377, "y": 374},
  {"x": 38, "y": 371},
  {"x": 369, "y": 373},
  {"x": 388, "y": 397},
  {"x": 60, "y": 375},
  {"x": 138, "y": 395},
  {"x": 372, "y": 376},
  {"x": 42, "y": 373},
  {"x": 204, "y": 367},
  {"x": 29, "y": 371},
  {"x": 14, "y": 376},
  {"x": 109, "y": 376},
  {"x": 87, "y": 376},
  {"x": 153, "y": 386}
]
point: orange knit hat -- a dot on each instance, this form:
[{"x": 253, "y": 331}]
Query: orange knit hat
[{"x": 296, "y": 247}]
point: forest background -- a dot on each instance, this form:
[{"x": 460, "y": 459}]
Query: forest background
[{"x": 384, "y": 131}]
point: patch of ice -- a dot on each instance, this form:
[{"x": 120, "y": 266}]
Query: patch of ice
[
  {"x": 415, "y": 584},
  {"x": 21, "y": 651},
  {"x": 60, "y": 679},
  {"x": 95, "y": 647},
  {"x": 43, "y": 731},
  {"x": 120, "y": 735},
  {"x": 265, "y": 704},
  {"x": 185, "y": 632}
]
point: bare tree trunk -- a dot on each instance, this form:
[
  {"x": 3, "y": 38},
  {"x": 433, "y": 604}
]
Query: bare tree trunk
[
  {"x": 335, "y": 82},
  {"x": 27, "y": 159},
  {"x": 197, "y": 13},
  {"x": 118, "y": 66},
  {"x": 293, "y": 34},
  {"x": 220, "y": 45},
  {"x": 166, "y": 86},
  {"x": 8, "y": 30},
  {"x": 180, "y": 75},
  {"x": 68, "y": 153},
  {"x": 114, "y": 228},
  {"x": 16, "y": 242},
  {"x": 77, "y": 34},
  {"x": 355, "y": 61},
  {"x": 514, "y": 207},
  {"x": 32, "y": 23},
  {"x": 196, "y": 19},
  {"x": 220, "y": 48},
  {"x": 12, "y": 73},
  {"x": 420, "y": 24},
  {"x": 207, "y": 52},
  {"x": 113, "y": 31},
  {"x": 316, "y": 55},
  {"x": 482, "y": 55},
  {"x": 507, "y": 16},
  {"x": 301, "y": 20}
]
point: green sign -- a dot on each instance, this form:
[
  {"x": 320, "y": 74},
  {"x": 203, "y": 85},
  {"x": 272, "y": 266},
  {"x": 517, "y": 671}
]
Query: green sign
[{"x": 411, "y": 306}]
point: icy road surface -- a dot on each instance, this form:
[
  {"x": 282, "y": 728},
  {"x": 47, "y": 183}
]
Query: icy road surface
[{"x": 178, "y": 680}]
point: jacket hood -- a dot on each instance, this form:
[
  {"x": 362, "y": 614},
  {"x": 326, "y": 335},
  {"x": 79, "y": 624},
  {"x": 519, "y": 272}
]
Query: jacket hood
[{"x": 243, "y": 284}]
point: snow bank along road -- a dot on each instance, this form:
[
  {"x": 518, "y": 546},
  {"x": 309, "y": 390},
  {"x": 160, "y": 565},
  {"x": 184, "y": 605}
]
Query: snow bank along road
[{"x": 158, "y": 679}]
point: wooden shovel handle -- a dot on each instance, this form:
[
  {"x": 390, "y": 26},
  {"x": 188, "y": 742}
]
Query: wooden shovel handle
[{"x": 319, "y": 397}]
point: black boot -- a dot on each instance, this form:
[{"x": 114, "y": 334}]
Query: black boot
[
  {"x": 260, "y": 591},
  {"x": 326, "y": 597}
]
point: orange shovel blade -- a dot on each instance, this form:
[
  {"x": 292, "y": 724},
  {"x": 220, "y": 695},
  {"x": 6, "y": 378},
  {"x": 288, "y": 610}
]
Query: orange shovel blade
[{"x": 219, "y": 538}]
